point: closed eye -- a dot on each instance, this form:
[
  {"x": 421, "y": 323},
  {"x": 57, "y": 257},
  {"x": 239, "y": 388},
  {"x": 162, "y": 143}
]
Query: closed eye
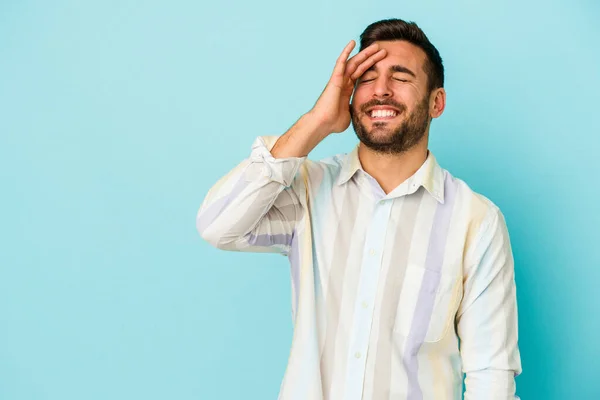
[{"x": 396, "y": 79}]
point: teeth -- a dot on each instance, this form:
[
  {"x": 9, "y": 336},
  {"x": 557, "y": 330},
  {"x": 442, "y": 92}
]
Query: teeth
[{"x": 382, "y": 113}]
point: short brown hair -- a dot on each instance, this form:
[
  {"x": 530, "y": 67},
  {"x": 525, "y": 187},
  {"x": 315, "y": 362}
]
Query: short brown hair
[{"x": 397, "y": 29}]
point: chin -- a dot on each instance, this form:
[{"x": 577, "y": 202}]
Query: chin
[
  {"x": 380, "y": 136},
  {"x": 382, "y": 130}
]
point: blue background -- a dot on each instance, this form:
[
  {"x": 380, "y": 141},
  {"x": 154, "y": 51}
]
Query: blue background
[{"x": 117, "y": 117}]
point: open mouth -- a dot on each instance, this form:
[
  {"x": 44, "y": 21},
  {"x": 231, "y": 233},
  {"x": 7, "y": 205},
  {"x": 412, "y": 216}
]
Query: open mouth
[{"x": 382, "y": 114}]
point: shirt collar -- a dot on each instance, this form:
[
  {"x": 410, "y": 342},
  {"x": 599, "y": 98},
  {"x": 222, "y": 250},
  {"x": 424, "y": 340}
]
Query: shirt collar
[{"x": 430, "y": 175}]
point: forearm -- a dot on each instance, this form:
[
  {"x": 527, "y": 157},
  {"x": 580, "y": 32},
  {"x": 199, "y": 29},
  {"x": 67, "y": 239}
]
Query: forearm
[
  {"x": 301, "y": 138},
  {"x": 247, "y": 195}
]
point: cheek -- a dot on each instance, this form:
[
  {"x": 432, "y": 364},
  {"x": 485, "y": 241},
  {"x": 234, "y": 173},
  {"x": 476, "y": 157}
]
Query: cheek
[
  {"x": 405, "y": 94},
  {"x": 358, "y": 99}
]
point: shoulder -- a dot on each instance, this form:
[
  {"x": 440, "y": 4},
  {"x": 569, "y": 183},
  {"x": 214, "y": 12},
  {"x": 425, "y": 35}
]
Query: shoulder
[
  {"x": 333, "y": 163},
  {"x": 325, "y": 170},
  {"x": 479, "y": 205},
  {"x": 481, "y": 215}
]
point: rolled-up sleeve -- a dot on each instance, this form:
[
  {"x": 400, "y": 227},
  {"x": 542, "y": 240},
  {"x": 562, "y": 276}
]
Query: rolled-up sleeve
[
  {"x": 486, "y": 321},
  {"x": 256, "y": 206}
]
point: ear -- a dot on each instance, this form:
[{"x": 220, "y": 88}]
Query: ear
[{"x": 437, "y": 102}]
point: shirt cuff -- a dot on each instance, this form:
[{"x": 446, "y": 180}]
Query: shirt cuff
[{"x": 264, "y": 165}]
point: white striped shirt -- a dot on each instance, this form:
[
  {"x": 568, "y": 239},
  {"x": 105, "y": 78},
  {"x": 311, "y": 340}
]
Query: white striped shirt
[{"x": 393, "y": 296}]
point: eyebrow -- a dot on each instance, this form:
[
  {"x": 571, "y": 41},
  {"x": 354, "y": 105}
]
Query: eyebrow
[{"x": 395, "y": 68}]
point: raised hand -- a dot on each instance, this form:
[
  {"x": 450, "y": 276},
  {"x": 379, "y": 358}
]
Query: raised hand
[{"x": 332, "y": 109}]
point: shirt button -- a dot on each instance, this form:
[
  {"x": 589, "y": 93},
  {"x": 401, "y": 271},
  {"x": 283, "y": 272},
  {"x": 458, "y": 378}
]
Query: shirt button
[
  {"x": 365, "y": 304},
  {"x": 372, "y": 252},
  {"x": 266, "y": 171},
  {"x": 357, "y": 354}
]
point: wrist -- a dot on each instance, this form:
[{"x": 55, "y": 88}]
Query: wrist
[{"x": 316, "y": 124}]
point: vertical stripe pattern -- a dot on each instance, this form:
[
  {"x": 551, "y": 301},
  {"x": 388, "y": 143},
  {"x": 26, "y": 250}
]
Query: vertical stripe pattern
[{"x": 394, "y": 295}]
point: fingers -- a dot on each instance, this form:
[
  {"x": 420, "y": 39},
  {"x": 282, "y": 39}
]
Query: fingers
[
  {"x": 346, "y": 71},
  {"x": 340, "y": 64},
  {"x": 361, "y": 57},
  {"x": 366, "y": 64}
]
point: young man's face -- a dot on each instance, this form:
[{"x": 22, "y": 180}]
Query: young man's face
[{"x": 390, "y": 105}]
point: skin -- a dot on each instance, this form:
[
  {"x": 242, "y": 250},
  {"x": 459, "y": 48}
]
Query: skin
[
  {"x": 393, "y": 149},
  {"x": 390, "y": 151}
]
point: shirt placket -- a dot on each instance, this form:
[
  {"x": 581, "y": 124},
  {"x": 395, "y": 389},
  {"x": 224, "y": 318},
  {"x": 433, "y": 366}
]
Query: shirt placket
[{"x": 365, "y": 300}]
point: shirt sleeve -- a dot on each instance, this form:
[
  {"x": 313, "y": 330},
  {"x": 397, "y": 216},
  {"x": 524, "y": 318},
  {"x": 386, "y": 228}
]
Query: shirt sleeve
[
  {"x": 256, "y": 206},
  {"x": 487, "y": 323}
]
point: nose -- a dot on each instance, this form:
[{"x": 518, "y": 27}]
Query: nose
[{"x": 381, "y": 87}]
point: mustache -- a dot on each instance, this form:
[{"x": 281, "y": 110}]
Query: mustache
[{"x": 375, "y": 102}]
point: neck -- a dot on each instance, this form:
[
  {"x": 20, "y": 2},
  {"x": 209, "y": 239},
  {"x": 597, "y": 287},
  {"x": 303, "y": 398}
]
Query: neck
[{"x": 391, "y": 170}]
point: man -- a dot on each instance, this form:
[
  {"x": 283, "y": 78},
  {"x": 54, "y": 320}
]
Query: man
[{"x": 393, "y": 260}]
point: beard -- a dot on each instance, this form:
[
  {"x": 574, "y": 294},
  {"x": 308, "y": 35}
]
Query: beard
[{"x": 388, "y": 140}]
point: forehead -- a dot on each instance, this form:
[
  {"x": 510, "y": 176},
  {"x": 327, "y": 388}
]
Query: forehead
[{"x": 402, "y": 53}]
